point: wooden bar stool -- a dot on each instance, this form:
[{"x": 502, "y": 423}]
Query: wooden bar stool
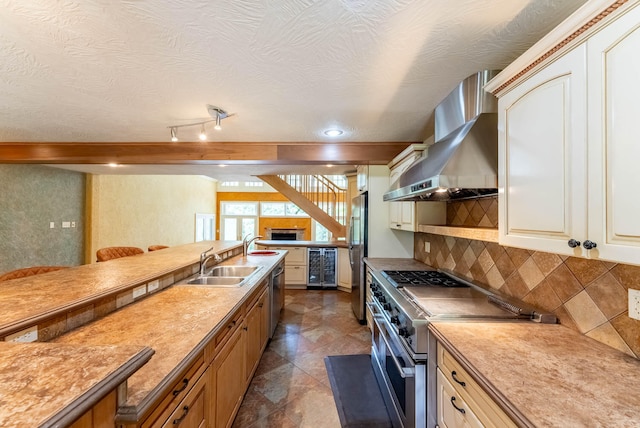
[
  {"x": 157, "y": 247},
  {"x": 110, "y": 253},
  {"x": 34, "y": 270}
]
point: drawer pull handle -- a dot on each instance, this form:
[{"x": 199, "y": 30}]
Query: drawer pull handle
[
  {"x": 453, "y": 375},
  {"x": 260, "y": 304},
  {"x": 245, "y": 328},
  {"x": 453, "y": 399},
  {"x": 185, "y": 382},
  {"x": 181, "y": 418}
]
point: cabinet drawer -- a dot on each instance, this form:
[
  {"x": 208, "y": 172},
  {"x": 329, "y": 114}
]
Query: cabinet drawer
[
  {"x": 296, "y": 274},
  {"x": 296, "y": 256},
  {"x": 178, "y": 392},
  {"x": 192, "y": 410},
  {"x": 453, "y": 411},
  {"x": 489, "y": 413},
  {"x": 230, "y": 327}
]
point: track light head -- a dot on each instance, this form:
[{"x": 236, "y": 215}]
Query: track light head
[
  {"x": 174, "y": 134},
  {"x": 203, "y": 134},
  {"x": 217, "y": 127}
]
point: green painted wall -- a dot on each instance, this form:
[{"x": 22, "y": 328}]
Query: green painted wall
[{"x": 31, "y": 197}]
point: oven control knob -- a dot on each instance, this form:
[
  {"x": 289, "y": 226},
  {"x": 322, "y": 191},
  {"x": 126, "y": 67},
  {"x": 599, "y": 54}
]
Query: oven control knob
[
  {"x": 387, "y": 307},
  {"x": 382, "y": 299},
  {"x": 395, "y": 320},
  {"x": 402, "y": 331}
]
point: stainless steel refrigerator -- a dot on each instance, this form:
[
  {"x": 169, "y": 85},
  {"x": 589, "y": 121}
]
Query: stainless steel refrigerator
[{"x": 357, "y": 252}]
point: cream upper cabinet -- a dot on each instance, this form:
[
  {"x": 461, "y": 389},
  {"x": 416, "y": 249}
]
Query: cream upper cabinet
[
  {"x": 362, "y": 178},
  {"x": 408, "y": 215},
  {"x": 612, "y": 128},
  {"x": 542, "y": 159},
  {"x": 568, "y": 147}
]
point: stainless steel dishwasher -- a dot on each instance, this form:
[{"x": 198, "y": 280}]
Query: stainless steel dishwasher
[{"x": 277, "y": 296}]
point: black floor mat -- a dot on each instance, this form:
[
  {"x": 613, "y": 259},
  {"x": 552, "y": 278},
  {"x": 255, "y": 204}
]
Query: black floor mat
[{"x": 356, "y": 392}]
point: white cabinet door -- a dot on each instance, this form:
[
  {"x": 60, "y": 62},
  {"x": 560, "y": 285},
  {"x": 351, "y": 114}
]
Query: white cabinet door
[
  {"x": 614, "y": 149},
  {"x": 542, "y": 160},
  {"x": 344, "y": 269}
]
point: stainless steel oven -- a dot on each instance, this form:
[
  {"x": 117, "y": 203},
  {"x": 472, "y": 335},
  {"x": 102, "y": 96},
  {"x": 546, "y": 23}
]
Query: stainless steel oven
[
  {"x": 402, "y": 305},
  {"x": 400, "y": 376}
]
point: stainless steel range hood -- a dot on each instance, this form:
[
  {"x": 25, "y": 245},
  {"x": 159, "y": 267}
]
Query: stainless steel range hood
[{"x": 463, "y": 162}]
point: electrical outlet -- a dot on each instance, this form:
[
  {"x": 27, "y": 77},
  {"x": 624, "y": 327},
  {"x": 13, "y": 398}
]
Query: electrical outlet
[
  {"x": 73, "y": 224},
  {"x": 427, "y": 247},
  {"x": 52, "y": 224},
  {"x": 634, "y": 304},
  {"x": 153, "y": 285},
  {"x": 66, "y": 224},
  {"x": 139, "y": 291},
  {"x": 27, "y": 335}
]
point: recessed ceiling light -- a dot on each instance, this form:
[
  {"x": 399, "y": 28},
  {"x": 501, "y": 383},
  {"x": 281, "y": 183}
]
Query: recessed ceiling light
[
  {"x": 113, "y": 165},
  {"x": 333, "y": 132}
]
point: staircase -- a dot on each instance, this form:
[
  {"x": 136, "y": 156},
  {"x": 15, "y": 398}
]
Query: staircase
[{"x": 318, "y": 196}]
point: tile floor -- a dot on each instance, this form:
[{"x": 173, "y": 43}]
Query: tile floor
[{"x": 291, "y": 387}]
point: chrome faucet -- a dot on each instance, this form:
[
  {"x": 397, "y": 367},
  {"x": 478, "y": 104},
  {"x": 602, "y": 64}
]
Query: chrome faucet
[
  {"x": 205, "y": 257},
  {"x": 246, "y": 243}
]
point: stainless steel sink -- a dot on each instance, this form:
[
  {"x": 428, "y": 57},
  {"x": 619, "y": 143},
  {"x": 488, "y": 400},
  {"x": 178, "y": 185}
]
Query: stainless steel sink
[
  {"x": 217, "y": 281},
  {"x": 240, "y": 271},
  {"x": 225, "y": 276}
]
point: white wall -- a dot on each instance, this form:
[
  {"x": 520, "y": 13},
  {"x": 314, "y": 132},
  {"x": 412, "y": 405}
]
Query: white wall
[
  {"x": 143, "y": 210},
  {"x": 383, "y": 241}
]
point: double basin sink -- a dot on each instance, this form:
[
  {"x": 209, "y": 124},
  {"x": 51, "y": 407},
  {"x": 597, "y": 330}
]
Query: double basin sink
[{"x": 225, "y": 276}]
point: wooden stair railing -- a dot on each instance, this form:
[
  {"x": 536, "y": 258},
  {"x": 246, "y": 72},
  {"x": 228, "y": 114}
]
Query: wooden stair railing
[{"x": 321, "y": 206}]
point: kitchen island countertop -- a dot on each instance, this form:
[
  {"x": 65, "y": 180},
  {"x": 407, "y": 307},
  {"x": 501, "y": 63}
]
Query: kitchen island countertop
[
  {"x": 547, "y": 374},
  {"x": 323, "y": 244}
]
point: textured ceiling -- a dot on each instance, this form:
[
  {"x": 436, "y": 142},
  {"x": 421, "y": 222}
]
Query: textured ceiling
[{"x": 123, "y": 71}]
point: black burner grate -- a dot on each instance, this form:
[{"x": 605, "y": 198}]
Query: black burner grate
[{"x": 400, "y": 278}]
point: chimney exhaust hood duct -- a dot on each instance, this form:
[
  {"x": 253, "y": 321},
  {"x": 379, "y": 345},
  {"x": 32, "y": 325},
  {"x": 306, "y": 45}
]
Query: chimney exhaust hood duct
[{"x": 463, "y": 162}]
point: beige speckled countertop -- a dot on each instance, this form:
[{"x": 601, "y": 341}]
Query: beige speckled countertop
[
  {"x": 61, "y": 291},
  {"x": 324, "y": 244},
  {"x": 51, "y": 385},
  {"x": 548, "y": 375},
  {"x": 176, "y": 323}
]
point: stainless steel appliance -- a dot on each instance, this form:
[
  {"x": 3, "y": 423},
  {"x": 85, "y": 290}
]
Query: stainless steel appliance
[
  {"x": 277, "y": 297},
  {"x": 403, "y": 303},
  {"x": 357, "y": 241},
  {"x": 463, "y": 162},
  {"x": 322, "y": 268}
]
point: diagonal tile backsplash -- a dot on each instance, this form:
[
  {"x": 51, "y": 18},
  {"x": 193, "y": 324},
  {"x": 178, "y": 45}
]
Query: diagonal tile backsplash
[{"x": 589, "y": 296}]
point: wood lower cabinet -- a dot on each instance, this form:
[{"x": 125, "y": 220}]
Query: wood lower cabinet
[
  {"x": 194, "y": 410},
  {"x": 211, "y": 389},
  {"x": 102, "y": 415},
  {"x": 257, "y": 333},
  {"x": 461, "y": 400},
  {"x": 229, "y": 379}
]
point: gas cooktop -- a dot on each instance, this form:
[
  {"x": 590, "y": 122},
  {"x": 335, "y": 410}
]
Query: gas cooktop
[{"x": 428, "y": 278}]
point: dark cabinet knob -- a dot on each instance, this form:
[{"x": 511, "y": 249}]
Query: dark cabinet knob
[
  {"x": 573, "y": 243},
  {"x": 589, "y": 244}
]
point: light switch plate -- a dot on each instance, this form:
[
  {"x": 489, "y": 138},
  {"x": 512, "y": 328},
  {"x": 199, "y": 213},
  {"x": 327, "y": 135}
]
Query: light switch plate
[
  {"x": 27, "y": 335},
  {"x": 153, "y": 285},
  {"x": 139, "y": 291},
  {"x": 427, "y": 247},
  {"x": 634, "y": 304}
]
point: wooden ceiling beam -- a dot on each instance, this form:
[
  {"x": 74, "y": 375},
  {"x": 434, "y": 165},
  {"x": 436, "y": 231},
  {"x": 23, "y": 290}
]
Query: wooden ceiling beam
[{"x": 201, "y": 153}]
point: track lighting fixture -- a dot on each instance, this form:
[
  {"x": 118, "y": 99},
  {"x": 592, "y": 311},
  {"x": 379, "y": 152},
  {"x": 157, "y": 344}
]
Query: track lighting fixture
[{"x": 216, "y": 113}]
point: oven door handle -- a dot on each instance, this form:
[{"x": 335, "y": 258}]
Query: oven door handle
[{"x": 405, "y": 372}]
